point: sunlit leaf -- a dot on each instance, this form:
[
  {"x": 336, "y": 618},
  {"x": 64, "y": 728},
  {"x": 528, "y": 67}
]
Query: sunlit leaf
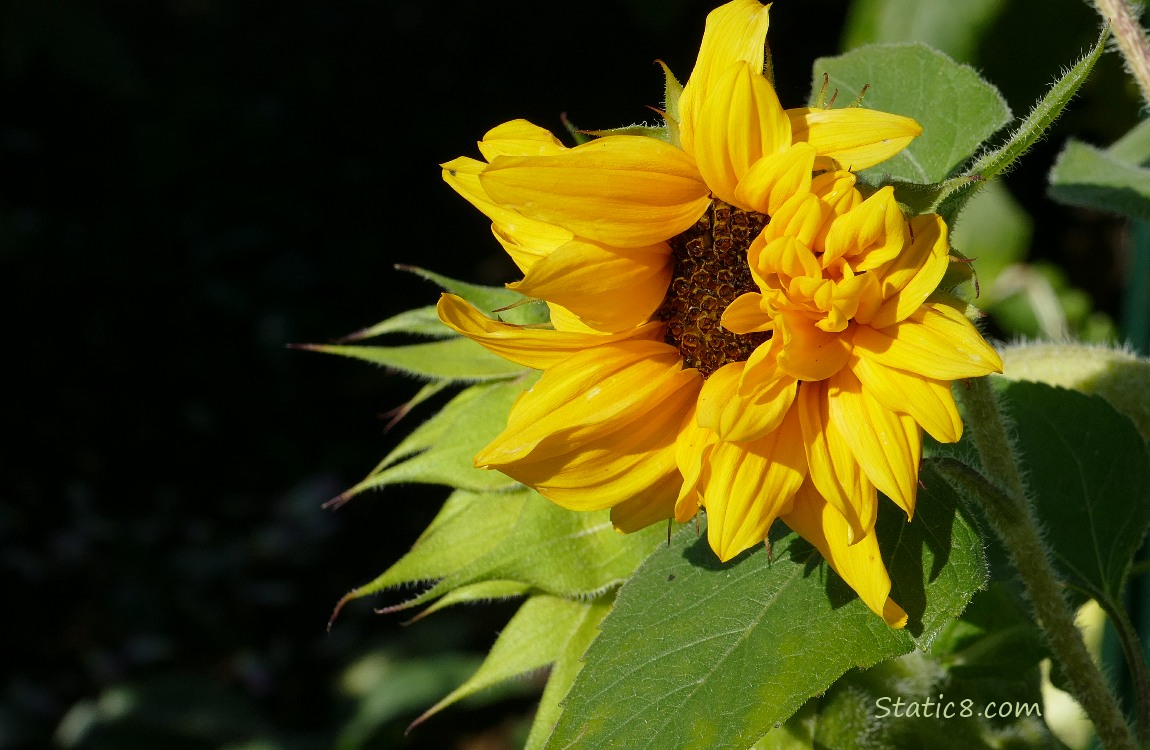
[
  {"x": 698, "y": 654},
  {"x": 915, "y": 80}
]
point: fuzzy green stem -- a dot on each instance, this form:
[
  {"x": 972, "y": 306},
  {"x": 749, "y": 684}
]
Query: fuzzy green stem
[
  {"x": 1007, "y": 507},
  {"x": 1131, "y": 39},
  {"x": 1132, "y": 650}
]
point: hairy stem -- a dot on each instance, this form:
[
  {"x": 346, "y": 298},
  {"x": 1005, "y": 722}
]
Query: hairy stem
[
  {"x": 1131, "y": 39},
  {"x": 1007, "y": 506}
]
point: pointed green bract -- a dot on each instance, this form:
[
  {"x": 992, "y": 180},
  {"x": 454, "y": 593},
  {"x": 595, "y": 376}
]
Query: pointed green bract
[
  {"x": 533, "y": 638},
  {"x": 698, "y": 654},
  {"x": 442, "y": 449},
  {"x": 520, "y": 310},
  {"x": 566, "y": 667},
  {"x": 912, "y": 80},
  {"x": 456, "y": 359},
  {"x": 422, "y": 321}
]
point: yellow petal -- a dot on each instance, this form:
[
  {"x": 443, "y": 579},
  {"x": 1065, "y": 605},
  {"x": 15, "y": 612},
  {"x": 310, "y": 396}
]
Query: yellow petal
[
  {"x": 855, "y": 138},
  {"x": 773, "y": 179},
  {"x": 622, "y": 190},
  {"x": 610, "y": 289},
  {"x": 739, "y": 122},
  {"x": 588, "y": 395},
  {"x": 870, "y": 235},
  {"x": 887, "y": 444},
  {"x": 929, "y": 402},
  {"x": 745, "y": 315},
  {"x": 750, "y": 484},
  {"x": 563, "y": 319},
  {"x": 737, "y": 414},
  {"x": 915, "y": 273},
  {"x": 936, "y": 341},
  {"x": 809, "y": 353},
  {"x": 735, "y": 32},
  {"x": 859, "y": 564},
  {"x": 837, "y": 190},
  {"x": 653, "y": 504},
  {"x": 519, "y": 138},
  {"x": 538, "y": 348},
  {"x": 833, "y": 468},
  {"x": 633, "y": 466},
  {"x": 692, "y": 447},
  {"x": 526, "y": 240}
]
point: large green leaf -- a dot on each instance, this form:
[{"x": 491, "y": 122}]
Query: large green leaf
[
  {"x": 1088, "y": 473},
  {"x": 956, "y": 108},
  {"x": 698, "y": 654}
]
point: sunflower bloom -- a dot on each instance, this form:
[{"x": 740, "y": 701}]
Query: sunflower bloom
[{"x": 735, "y": 326}]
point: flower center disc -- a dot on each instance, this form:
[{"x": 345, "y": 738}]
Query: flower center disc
[{"x": 710, "y": 272}]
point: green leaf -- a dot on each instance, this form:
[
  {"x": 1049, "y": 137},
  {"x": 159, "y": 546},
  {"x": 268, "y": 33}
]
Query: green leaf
[
  {"x": 484, "y": 591},
  {"x": 534, "y": 638},
  {"x": 1091, "y": 177},
  {"x": 996, "y": 636},
  {"x": 523, "y": 310},
  {"x": 1088, "y": 473},
  {"x": 442, "y": 449},
  {"x": 698, "y": 654},
  {"x": 912, "y": 80},
  {"x": 455, "y": 359},
  {"x": 566, "y": 667},
  {"x": 952, "y": 28},
  {"x": 1041, "y": 117}
]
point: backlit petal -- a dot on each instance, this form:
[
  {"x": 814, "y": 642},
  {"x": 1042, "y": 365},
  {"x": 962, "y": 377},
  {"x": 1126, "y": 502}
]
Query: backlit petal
[
  {"x": 622, "y": 190},
  {"x": 930, "y": 402},
  {"x": 887, "y": 445},
  {"x": 809, "y": 353},
  {"x": 739, "y": 123},
  {"x": 936, "y": 341},
  {"x": 859, "y": 564},
  {"x": 737, "y": 414},
  {"x": 588, "y": 395},
  {"x": 773, "y": 179},
  {"x": 538, "y": 348},
  {"x": 745, "y": 315},
  {"x": 611, "y": 289},
  {"x": 519, "y": 138},
  {"x": 833, "y": 469},
  {"x": 854, "y": 138},
  {"x": 750, "y": 484},
  {"x": 870, "y": 235},
  {"x": 735, "y": 32}
]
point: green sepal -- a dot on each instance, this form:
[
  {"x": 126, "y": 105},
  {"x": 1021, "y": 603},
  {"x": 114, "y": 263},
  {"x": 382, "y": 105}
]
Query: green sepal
[
  {"x": 455, "y": 359},
  {"x": 659, "y": 132},
  {"x": 422, "y": 321},
  {"x": 442, "y": 449},
  {"x": 534, "y": 638},
  {"x": 484, "y": 591},
  {"x": 505, "y": 304}
]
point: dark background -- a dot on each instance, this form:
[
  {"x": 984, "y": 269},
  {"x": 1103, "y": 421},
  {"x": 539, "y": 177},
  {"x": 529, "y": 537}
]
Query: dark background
[{"x": 189, "y": 187}]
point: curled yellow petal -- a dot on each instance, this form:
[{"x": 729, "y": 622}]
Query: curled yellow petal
[
  {"x": 519, "y": 138},
  {"x": 538, "y": 348},
  {"x": 739, "y": 123},
  {"x": 936, "y": 341},
  {"x": 750, "y": 484},
  {"x": 610, "y": 289},
  {"x": 853, "y": 138},
  {"x": 860, "y": 564},
  {"x": 734, "y": 32},
  {"x": 622, "y": 190},
  {"x": 928, "y": 401}
]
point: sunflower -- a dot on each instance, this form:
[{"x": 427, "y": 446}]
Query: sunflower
[{"x": 735, "y": 326}]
